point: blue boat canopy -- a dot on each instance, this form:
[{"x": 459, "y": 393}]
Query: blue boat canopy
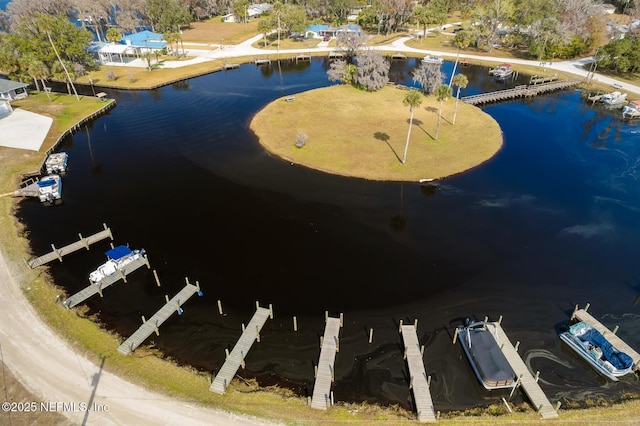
[
  {"x": 118, "y": 252},
  {"x": 45, "y": 183},
  {"x": 619, "y": 360}
]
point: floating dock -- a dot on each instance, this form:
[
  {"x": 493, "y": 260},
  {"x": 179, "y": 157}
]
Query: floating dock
[
  {"x": 240, "y": 350},
  {"x": 523, "y": 91},
  {"x": 92, "y": 289},
  {"x": 618, "y": 343},
  {"x": 153, "y": 324},
  {"x": 321, "y": 398},
  {"x": 57, "y": 253},
  {"x": 525, "y": 379},
  {"x": 419, "y": 383}
]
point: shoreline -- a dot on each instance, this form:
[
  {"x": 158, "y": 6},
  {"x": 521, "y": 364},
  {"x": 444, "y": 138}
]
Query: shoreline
[{"x": 23, "y": 253}]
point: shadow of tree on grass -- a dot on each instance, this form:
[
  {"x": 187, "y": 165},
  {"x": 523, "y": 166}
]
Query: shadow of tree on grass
[{"x": 384, "y": 137}]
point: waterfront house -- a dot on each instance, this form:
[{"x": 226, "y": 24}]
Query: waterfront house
[{"x": 11, "y": 90}]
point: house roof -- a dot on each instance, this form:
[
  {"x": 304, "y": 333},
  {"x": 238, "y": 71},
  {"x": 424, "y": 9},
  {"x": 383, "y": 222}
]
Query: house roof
[
  {"x": 9, "y": 85},
  {"x": 144, "y": 39},
  {"x": 113, "y": 48}
]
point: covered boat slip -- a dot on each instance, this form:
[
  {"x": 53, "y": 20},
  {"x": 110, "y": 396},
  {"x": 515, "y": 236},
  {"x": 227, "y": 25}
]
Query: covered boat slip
[
  {"x": 618, "y": 343},
  {"x": 481, "y": 346},
  {"x": 525, "y": 379}
]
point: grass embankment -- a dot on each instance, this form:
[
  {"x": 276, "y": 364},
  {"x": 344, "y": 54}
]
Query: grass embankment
[{"x": 356, "y": 133}]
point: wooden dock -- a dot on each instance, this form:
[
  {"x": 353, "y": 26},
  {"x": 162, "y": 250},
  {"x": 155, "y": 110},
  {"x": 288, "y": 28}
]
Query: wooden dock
[
  {"x": 57, "y": 253},
  {"x": 92, "y": 289},
  {"x": 538, "y": 80},
  {"x": 262, "y": 61},
  {"x": 418, "y": 376},
  {"x": 158, "y": 318},
  {"x": 303, "y": 57},
  {"x": 336, "y": 54},
  {"x": 525, "y": 379},
  {"x": 240, "y": 350},
  {"x": 321, "y": 398},
  {"x": 618, "y": 343},
  {"x": 522, "y": 91},
  {"x": 230, "y": 66},
  {"x": 398, "y": 57}
]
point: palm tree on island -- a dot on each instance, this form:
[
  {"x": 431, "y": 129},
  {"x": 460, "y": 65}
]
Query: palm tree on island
[
  {"x": 443, "y": 92},
  {"x": 460, "y": 81},
  {"x": 412, "y": 99}
]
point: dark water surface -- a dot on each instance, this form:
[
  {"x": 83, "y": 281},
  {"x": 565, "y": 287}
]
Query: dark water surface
[{"x": 551, "y": 221}]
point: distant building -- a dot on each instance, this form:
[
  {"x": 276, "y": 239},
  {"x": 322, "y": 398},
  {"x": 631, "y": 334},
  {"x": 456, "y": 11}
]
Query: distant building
[
  {"x": 11, "y": 90},
  {"x": 322, "y": 30},
  {"x": 131, "y": 45},
  {"x": 144, "y": 41},
  {"x": 253, "y": 12}
]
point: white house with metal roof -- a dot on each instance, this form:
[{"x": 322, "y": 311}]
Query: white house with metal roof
[{"x": 11, "y": 90}]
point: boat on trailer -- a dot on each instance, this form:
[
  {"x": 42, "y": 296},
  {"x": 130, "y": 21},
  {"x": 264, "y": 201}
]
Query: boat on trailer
[
  {"x": 117, "y": 258},
  {"x": 49, "y": 189},
  {"x": 56, "y": 163},
  {"x": 594, "y": 348},
  {"x": 480, "y": 343}
]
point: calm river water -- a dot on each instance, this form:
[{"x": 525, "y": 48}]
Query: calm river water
[{"x": 550, "y": 222}]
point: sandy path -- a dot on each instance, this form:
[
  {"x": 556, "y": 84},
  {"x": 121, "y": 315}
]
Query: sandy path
[{"x": 54, "y": 373}]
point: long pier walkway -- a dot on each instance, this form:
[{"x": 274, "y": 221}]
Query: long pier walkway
[
  {"x": 526, "y": 380},
  {"x": 57, "y": 253},
  {"x": 618, "y": 343},
  {"x": 418, "y": 376},
  {"x": 523, "y": 91},
  {"x": 236, "y": 358},
  {"x": 321, "y": 398},
  {"x": 92, "y": 289},
  {"x": 148, "y": 327}
]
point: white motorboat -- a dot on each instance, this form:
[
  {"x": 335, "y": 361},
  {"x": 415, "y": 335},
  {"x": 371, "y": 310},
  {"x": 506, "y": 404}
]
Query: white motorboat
[
  {"x": 613, "y": 98},
  {"x": 502, "y": 71},
  {"x": 433, "y": 59},
  {"x": 594, "y": 348},
  {"x": 631, "y": 110},
  {"x": 56, "y": 163},
  {"x": 118, "y": 257},
  {"x": 480, "y": 343},
  {"x": 49, "y": 189}
]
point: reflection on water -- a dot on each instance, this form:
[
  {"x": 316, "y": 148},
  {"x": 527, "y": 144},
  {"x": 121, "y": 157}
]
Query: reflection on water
[{"x": 551, "y": 221}]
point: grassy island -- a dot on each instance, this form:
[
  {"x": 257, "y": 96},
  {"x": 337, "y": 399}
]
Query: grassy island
[{"x": 355, "y": 133}]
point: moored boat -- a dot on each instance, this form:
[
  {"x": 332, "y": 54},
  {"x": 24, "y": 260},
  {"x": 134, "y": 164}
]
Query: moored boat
[
  {"x": 118, "y": 257},
  {"x": 613, "y": 98},
  {"x": 631, "y": 110},
  {"x": 56, "y": 163},
  {"x": 594, "y": 348},
  {"x": 433, "y": 59},
  {"x": 49, "y": 189},
  {"x": 480, "y": 343},
  {"x": 502, "y": 71}
]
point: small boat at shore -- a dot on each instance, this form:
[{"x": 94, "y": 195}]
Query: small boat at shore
[
  {"x": 49, "y": 189},
  {"x": 613, "y": 98},
  {"x": 56, "y": 163},
  {"x": 118, "y": 257},
  {"x": 502, "y": 71},
  {"x": 594, "y": 348},
  {"x": 433, "y": 59},
  {"x": 480, "y": 343},
  {"x": 631, "y": 110}
]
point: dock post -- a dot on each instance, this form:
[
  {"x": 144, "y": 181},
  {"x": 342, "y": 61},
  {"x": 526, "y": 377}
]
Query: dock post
[
  {"x": 99, "y": 289},
  {"x": 242, "y": 359},
  {"x": 415, "y": 324},
  {"x": 243, "y": 327},
  {"x": 615, "y": 329},
  {"x": 517, "y": 345},
  {"x": 422, "y": 350},
  {"x": 586, "y": 308},
  {"x": 123, "y": 275},
  {"x": 341, "y": 319},
  {"x": 257, "y": 334},
  {"x": 486, "y": 318},
  {"x": 370, "y": 335},
  {"x": 331, "y": 398},
  {"x": 57, "y": 252},
  {"x": 295, "y": 323},
  {"x": 270, "y": 311},
  {"x": 337, "y": 342},
  {"x": 573, "y": 315},
  {"x": 429, "y": 380},
  {"x": 156, "y": 329},
  {"x": 315, "y": 372},
  {"x": 155, "y": 275},
  {"x": 400, "y": 327},
  {"x": 220, "y": 306},
  {"x": 198, "y": 290},
  {"x": 326, "y": 316},
  {"x": 455, "y": 336},
  {"x": 537, "y": 375},
  {"x": 84, "y": 241},
  {"x": 333, "y": 377},
  {"x": 500, "y": 320},
  {"x": 106, "y": 228},
  {"x": 405, "y": 353},
  {"x": 321, "y": 340},
  {"x": 144, "y": 320},
  {"x": 226, "y": 353},
  {"x": 558, "y": 405},
  {"x": 257, "y": 305},
  {"x": 411, "y": 383}
]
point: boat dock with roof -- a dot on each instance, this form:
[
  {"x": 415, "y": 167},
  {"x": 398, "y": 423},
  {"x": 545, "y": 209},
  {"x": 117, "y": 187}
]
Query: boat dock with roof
[{"x": 153, "y": 324}]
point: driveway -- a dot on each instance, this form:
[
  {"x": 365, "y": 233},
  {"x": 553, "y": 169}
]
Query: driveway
[{"x": 13, "y": 134}]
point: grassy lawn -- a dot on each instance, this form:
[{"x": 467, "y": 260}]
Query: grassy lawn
[
  {"x": 215, "y": 31},
  {"x": 368, "y": 133}
]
